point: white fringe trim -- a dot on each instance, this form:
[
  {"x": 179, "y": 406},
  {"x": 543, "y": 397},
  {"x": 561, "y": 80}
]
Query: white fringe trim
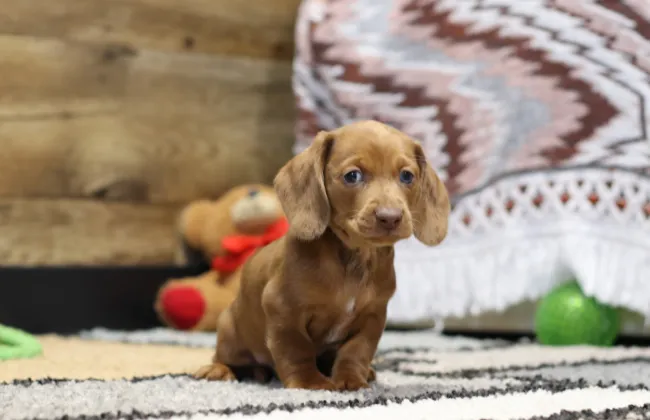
[{"x": 492, "y": 272}]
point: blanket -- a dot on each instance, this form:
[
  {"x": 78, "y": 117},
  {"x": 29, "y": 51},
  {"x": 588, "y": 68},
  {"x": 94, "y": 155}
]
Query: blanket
[{"x": 535, "y": 113}]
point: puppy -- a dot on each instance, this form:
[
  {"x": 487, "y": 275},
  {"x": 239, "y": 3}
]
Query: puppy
[{"x": 312, "y": 305}]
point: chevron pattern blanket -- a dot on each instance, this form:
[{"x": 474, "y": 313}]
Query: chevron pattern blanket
[
  {"x": 533, "y": 111},
  {"x": 421, "y": 375}
]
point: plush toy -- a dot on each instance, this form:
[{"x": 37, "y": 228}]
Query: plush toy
[{"x": 225, "y": 233}]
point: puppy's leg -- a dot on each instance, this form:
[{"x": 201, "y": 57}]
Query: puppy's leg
[
  {"x": 352, "y": 368},
  {"x": 230, "y": 352},
  {"x": 294, "y": 356}
]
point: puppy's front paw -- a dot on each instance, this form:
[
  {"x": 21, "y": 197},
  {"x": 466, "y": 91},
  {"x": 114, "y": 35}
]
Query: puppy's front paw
[
  {"x": 351, "y": 381},
  {"x": 320, "y": 383},
  {"x": 215, "y": 372}
]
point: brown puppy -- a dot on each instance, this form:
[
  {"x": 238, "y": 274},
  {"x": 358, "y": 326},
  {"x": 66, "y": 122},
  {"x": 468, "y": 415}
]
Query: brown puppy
[{"x": 320, "y": 293}]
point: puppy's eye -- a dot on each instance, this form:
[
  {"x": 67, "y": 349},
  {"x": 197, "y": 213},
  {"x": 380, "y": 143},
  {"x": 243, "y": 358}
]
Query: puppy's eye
[
  {"x": 406, "y": 177},
  {"x": 353, "y": 177}
]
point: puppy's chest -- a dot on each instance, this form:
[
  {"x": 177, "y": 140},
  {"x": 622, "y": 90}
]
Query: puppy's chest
[
  {"x": 338, "y": 320},
  {"x": 355, "y": 290}
]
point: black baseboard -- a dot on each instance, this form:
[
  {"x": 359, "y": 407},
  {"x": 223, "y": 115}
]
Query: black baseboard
[
  {"x": 623, "y": 340},
  {"x": 65, "y": 300}
]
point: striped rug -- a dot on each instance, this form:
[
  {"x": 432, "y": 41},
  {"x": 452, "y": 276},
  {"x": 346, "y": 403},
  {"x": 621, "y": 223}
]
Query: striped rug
[{"x": 421, "y": 375}]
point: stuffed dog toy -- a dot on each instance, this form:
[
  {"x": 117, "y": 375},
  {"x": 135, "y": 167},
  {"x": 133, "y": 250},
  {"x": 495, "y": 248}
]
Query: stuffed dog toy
[
  {"x": 224, "y": 233},
  {"x": 312, "y": 305}
]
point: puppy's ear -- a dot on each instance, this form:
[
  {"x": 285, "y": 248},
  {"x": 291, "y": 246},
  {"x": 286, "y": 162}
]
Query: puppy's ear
[
  {"x": 431, "y": 212},
  {"x": 300, "y": 186}
]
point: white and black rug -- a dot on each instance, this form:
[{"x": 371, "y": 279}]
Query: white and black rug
[{"x": 420, "y": 376}]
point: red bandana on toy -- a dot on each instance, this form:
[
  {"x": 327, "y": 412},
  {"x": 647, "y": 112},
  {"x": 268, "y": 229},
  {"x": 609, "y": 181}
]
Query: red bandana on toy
[{"x": 239, "y": 247}]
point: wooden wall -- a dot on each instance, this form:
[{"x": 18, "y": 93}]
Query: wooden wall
[{"x": 113, "y": 113}]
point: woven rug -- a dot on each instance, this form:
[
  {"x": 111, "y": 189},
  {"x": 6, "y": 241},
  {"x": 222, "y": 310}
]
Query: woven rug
[{"x": 421, "y": 375}]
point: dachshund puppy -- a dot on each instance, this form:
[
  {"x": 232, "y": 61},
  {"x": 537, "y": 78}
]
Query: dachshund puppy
[{"x": 312, "y": 305}]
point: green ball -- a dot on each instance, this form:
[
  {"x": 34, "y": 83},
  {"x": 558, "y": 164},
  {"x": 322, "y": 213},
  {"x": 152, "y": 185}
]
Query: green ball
[{"x": 567, "y": 317}]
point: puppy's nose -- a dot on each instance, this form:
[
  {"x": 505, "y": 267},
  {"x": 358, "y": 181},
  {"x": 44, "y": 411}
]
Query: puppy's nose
[{"x": 388, "y": 217}]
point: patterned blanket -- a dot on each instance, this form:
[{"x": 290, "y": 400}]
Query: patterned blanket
[
  {"x": 421, "y": 375},
  {"x": 535, "y": 114}
]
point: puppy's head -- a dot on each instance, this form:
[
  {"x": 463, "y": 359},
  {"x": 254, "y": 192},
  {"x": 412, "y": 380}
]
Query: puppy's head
[{"x": 369, "y": 182}]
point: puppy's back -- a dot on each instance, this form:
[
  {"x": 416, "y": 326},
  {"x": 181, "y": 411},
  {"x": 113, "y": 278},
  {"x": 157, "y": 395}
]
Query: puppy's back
[{"x": 260, "y": 268}]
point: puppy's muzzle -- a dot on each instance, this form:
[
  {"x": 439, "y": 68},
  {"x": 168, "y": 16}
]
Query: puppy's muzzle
[{"x": 388, "y": 218}]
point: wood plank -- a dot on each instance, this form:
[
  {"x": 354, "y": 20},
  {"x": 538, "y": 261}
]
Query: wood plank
[
  {"x": 209, "y": 122},
  {"x": 187, "y": 126},
  {"x": 69, "y": 157},
  {"x": 46, "y": 77},
  {"x": 85, "y": 232},
  {"x": 261, "y": 29}
]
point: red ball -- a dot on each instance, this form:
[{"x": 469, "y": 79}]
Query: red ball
[{"x": 183, "y": 306}]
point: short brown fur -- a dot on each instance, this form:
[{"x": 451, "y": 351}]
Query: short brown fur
[{"x": 320, "y": 293}]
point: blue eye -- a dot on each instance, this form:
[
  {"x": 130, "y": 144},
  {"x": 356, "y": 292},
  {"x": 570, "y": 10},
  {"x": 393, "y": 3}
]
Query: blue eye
[
  {"x": 353, "y": 177},
  {"x": 406, "y": 177}
]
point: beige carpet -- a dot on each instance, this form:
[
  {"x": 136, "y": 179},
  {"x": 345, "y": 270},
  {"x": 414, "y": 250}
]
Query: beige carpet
[{"x": 76, "y": 358}]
